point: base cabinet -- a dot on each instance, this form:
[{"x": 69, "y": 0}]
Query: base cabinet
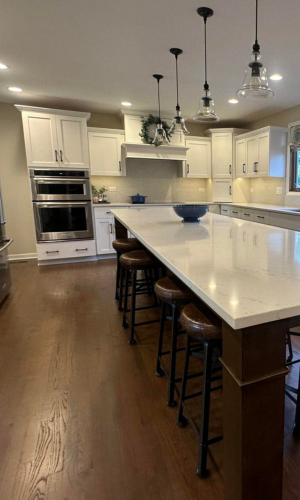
[
  {"x": 222, "y": 190},
  {"x": 105, "y": 236},
  {"x": 65, "y": 250}
]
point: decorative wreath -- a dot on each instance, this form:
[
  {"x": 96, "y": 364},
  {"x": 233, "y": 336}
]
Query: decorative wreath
[{"x": 153, "y": 120}]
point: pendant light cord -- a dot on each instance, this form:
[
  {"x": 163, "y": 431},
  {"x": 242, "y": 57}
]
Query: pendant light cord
[
  {"x": 256, "y": 17},
  {"x": 158, "y": 101},
  {"x": 205, "y": 57},
  {"x": 176, "y": 58}
]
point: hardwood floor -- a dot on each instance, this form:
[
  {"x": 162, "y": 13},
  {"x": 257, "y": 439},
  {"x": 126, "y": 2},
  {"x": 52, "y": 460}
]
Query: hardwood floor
[{"x": 82, "y": 415}]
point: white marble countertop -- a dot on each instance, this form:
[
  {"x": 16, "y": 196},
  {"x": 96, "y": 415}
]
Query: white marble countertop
[
  {"x": 264, "y": 206},
  {"x": 155, "y": 204},
  {"x": 248, "y": 273}
]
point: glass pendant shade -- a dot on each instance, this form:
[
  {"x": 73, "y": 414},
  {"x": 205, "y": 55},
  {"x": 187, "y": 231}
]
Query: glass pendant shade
[
  {"x": 178, "y": 124},
  {"x": 206, "y": 111},
  {"x": 255, "y": 82},
  {"x": 160, "y": 136}
]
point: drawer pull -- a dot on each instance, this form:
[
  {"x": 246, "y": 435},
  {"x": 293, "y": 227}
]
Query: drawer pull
[
  {"x": 81, "y": 249},
  {"x": 260, "y": 216},
  {"x": 109, "y": 212},
  {"x": 248, "y": 215},
  {"x": 234, "y": 212},
  {"x": 244, "y": 168},
  {"x": 52, "y": 251},
  {"x": 224, "y": 210}
]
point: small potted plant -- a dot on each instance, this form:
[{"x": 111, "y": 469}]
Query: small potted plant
[
  {"x": 95, "y": 194},
  {"x": 102, "y": 195}
]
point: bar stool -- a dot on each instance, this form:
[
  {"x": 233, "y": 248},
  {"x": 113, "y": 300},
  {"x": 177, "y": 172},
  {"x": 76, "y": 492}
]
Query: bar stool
[
  {"x": 290, "y": 391},
  {"x": 132, "y": 262},
  {"x": 205, "y": 327},
  {"x": 171, "y": 291},
  {"x": 123, "y": 245}
]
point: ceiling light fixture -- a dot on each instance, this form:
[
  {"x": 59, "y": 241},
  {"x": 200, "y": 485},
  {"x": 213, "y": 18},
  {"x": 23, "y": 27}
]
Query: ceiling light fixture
[
  {"x": 233, "y": 101},
  {"x": 178, "y": 123},
  {"x": 255, "y": 81},
  {"x": 206, "y": 112},
  {"x": 276, "y": 77},
  {"x": 3, "y": 66},
  {"x": 15, "y": 89},
  {"x": 160, "y": 134},
  {"x": 126, "y": 103}
]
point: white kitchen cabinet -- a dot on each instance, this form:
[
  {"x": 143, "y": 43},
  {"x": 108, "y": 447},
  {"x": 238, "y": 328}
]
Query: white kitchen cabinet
[
  {"x": 265, "y": 152},
  {"x": 105, "y": 152},
  {"x": 247, "y": 214},
  {"x": 198, "y": 163},
  {"x": 222, "y": 155},
  {"x": 287, "y": 221},
  {"x": 235, "y": 212},
  {"x": 65, "y": 250},
  {"x": 222, "y": 190},
  {"x": 105, "y": 235},
  {"x": 225, "y": 210},
  {"x": 240, "y": 158},
  {"x": 54, "y": 138}
]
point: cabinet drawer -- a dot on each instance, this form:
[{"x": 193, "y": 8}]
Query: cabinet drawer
[
  {"x": 247, "y": 214},
  {"x": 225, "y": 210},
  {"x": 285, "y": 220},
  {"x": 236, "y": 212},
  {"x": 262, "y": 217},
  {"x": 66, "y": 250}
]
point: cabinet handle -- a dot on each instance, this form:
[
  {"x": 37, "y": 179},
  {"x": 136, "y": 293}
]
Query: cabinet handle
[
  {"x": 120, "y": 167},
  {"x": 254, "y": 166},
  {"x": 244, "y": 168},
  {"x": 52, "y": 251},
  {"x": 56, "y": 155},
  {"x": 61, "y": 158},
  {"x": 260, "y": 216},
  {"x": 234, "y": 212},
  {"x": 224, "y": 210},
  {"x": 187, "y": 168},
  {"x": 230, "y": 190},
  {"x": 230, "y": 169},
  {"x": 109, "y": 212},
  {"x": 111, "y": 228},
  {"x": 248, "y": 215},
  {"x": 81, "y": 249}
]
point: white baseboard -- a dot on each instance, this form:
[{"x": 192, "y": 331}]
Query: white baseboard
[
  {"x": 22, "y": 256},
  {"x": 55, "y": 262}
]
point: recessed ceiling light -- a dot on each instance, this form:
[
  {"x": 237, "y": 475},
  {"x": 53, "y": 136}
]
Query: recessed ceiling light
[
  {"x": 15, "y": 89},
  {"x": 3, "y": 66},
  {"x": 125, "y": 103},
  {"x": 233, "y": 101},
  {"x": 276, "y": 76}
]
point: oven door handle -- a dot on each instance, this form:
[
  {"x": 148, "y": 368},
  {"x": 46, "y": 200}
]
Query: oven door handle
[
  {"x": 6, "y": 245},
  {"x": 62, "y": 180},
  {"x": 45, "y": 204}
]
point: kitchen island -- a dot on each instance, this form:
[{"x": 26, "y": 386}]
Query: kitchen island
[{"x": 248, "y": 274}]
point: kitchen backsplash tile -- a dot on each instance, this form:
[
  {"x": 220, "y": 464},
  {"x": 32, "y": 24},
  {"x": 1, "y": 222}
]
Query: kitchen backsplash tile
[
  {"x": 157, "y": 179},
  {"x": 264, "y": 191}
]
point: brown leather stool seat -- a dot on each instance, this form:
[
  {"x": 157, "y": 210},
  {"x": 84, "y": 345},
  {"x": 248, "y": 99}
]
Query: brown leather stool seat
[
  {"x": 122, "y": 245},
  {"x": 204, "y": 327},
  {"x": 171, "y": 289},
  {"x": 138, "y": 260},
  {"x": 200, "y": 325}
]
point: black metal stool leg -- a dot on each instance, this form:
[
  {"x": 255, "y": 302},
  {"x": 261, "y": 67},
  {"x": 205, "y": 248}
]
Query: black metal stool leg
[
  {"x": 125, "y": 309},
  {"x": 159, "y": 372},
  {"x": 132, "y": 340},
  {"x": 181, "y": 420},
  {"x": 117, "y": 277},
  {"x": 202, "y": 458},
  {"x": 290, "y": 347},
  {"x": 172, "y": 375},
  {"x": 122, "y": 271},
  {"x": 297, "y": 415}
]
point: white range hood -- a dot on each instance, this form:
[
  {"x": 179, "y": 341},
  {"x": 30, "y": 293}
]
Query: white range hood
[
  {"x": 134, "y": 147},
  {"x": 150, "y": 152}
]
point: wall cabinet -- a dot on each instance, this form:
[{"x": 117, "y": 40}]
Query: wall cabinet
[
  {"x": 198, "y": 163},
  {"x": 265, "y": 153},
  {"x": 105, "y": 152},
  {"x": 55, "y": 140},
  {"x": 222, "y": 155}
]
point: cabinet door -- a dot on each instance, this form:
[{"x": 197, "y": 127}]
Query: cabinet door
[
  {"x": 222, "y": 155},
  {"x": 40, "y": 139},
  {"x": 104, "y": 235},
  {"x": 105, "y": 153},
  {"x": 251, "y": 156},
  {"x": 263, "y": 155},
  {"x": 198, "y": 156},
  {"x": 222, "y": 190},
  {"x": 240, "y": 152},
  {"x": 72, "y": 141}
]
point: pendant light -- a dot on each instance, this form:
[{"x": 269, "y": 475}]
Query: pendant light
[
  {"x": 160, "y": 134},
  {"x": 206, "y": 112},
  {"x": 178, "y": 123},
  {"x": 255, "y": 82}
]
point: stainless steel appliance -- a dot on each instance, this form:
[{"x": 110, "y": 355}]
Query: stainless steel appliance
[
  {"x": 62, "y": 204},
  {"x": 60, "y": 185},
  {"x": 5, "y": 280}
]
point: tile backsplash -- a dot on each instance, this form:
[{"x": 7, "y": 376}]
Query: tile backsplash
[
  {"x": 264, "y": 191},
  {"x": 159, "y": 180}
]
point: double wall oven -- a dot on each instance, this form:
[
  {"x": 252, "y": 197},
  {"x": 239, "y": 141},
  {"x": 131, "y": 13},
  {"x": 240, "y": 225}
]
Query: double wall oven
[{"x": 61, "y": 204}]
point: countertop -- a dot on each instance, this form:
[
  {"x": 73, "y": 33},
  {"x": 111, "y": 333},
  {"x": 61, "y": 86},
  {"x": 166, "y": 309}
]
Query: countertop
[
  {"x": 248, "y": 273},
  {"x": 264, "y": 206}
]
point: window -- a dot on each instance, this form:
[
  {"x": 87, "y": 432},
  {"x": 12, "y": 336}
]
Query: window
[{"x": 295, "y": 171}]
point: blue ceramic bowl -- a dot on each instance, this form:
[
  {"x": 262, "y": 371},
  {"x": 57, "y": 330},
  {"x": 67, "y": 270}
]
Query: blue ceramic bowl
[{"x": 190, "y": 213}]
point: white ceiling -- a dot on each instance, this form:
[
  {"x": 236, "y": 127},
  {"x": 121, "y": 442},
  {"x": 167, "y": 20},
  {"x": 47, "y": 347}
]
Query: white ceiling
[{"x": 92, "y": 54}]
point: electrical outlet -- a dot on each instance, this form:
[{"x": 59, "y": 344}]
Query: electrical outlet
[
  {"x": 201, "y": 190},
  {"x": 251, "y": 190},
  {"x": 279, "y": 190},
  {"x": 112, "y": 188}
]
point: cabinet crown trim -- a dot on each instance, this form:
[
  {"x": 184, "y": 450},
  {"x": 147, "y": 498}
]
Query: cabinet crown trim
[
  {"x": 261, "y": 131},
  {"x": 51, "y": 111},
  {"x": 107, "y": 130}
]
